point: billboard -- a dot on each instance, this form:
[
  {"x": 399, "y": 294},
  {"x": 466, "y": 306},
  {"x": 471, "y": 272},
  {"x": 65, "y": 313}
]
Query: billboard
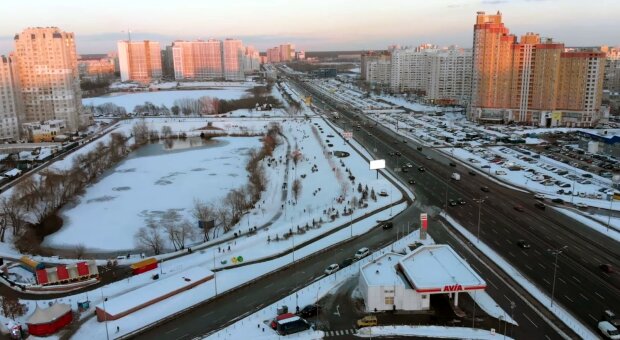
[{"x": 377, "y": 164}]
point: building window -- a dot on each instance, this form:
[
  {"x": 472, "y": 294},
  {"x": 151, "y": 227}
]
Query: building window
[{"x": 389, "y": 300}]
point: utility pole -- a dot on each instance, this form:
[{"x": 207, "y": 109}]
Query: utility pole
[
  {"x": 479, "y": 201},
  {"x": 105, "y": 316},
  {"x": 556, "y": 253}
]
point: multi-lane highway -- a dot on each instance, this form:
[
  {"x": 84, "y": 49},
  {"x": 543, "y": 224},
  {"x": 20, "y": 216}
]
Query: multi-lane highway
[{"x": 581, "y": 287}]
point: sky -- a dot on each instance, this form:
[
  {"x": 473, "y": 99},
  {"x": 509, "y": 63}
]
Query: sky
[{"x": 312, "y": 25}]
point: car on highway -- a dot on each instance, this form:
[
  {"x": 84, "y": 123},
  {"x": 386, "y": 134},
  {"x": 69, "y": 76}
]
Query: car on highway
[
  {"x": 388, "y": 225},
  {"x": 523, "y": 244},
  {"x": 310, "y": 310},
  {"x": 360, "y": 254},
  {"x": 582, "y": 206},
  {"x": 606, "y": 268},
  {"x": 409, "y": 165},
  {"x": 332, "y": 269},
  {"x": 471, "y": 172},
  {"x": 539, "y": 197},
  {"x": 519, "y": 208},
  {"x": 367, "y": 321},
  {"x": 558, "y": 200},
  {"x": 391, "y": 153},
  {"x": 404, "y": 169},
  {"x": 405, "y": 141},
  {"x": 398, "y": 154},
  {"x": 452, "y": 202},
  {"x": 608, "y": 330},
  {"x": 611, "y": 317},
  {"x": 452, "y": 164},
  {"x": 486, "y": 166},
  {"x": 540, "y": 205},
  {"x": 461, "y": 201},
  {"x": 419, "y": 148},
  {"x": 421, "y": 169},
  {"x": 411, "y": 181},
  {"x": 484, "y": 188}
]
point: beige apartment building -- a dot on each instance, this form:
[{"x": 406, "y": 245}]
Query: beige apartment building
[
  {"x": 139, "y": 60},
  {"x": 197, "y": 59},
  {"x": 10, "y": 110},
  {"x": 48, "y": 76},
  {"x": 532, "y": 80},
  {"x": 232, "y": 59}
]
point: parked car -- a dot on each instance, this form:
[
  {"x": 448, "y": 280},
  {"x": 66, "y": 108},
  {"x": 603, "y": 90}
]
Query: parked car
[
  {"x": 558, "y": 200},
  {"x": 540, "y": 205},
  {"x": 461, "y": 201},
  {"x": 484, "y": 188},
  {"x": 523, "y": 244},
  {"x": 608, "y": 330},
  {"x": 539, "y": 197},
  {"x": 347, "y": 262},
  {"x": 332, "y": 269},
  {"x": 471, "y": 172},
  {"x": 310, "y": 310},
  {"x": 452, "y": 202},
  {"x": 421, "y": 169},
  {"x": 388, "y": 225},
  {"x": 367, "y": 321},
  {"x": 360, "y": 254}
]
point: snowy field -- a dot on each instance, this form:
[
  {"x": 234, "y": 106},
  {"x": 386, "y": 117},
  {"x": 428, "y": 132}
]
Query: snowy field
[{"x": 130, "y": 100}]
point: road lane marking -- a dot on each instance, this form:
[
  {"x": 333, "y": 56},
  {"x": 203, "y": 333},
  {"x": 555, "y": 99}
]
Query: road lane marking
[
  {"x": 584, "y": 297},
  {"x": 495, "y": 241},
  {"x": 593, "y": 318},
  {"x": 530, "y": 320},
  {"x": 547, "y": 281},
  {"x": 495, "y": 231},
  {"x": 569, "y": 299},
  {"x": 205, "y": 314},
  {"x": 537, "y": 252},
  {"x": 511, "y": 254},
  {"x": 599, "y": 295},
  {"x": 528, "y": 267},
  {"x": 269, "y": 285},
  {"x": 541, "y": 266},
  {"x": 564, "y": 282},
  {"x": 576, "y": 279},
  {"x": 491, "y": 282},
  {"x": 172, "y": 330}
]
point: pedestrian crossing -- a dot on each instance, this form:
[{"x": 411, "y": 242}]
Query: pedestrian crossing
[{"x": 340, "y": 332}]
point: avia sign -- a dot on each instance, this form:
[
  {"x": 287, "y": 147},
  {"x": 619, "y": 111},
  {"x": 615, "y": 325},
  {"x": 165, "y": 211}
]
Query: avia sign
[{"x": 452, "y": 288}]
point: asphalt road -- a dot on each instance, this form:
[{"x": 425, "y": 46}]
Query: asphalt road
[
  {"x": 581, "y": 287},
  {"x": 220, "y": 311}
]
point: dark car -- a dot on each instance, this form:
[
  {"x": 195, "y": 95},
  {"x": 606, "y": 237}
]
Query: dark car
[
  {"x": 398, "y": 154},
  {"x": 540, "y": 205},
  {"x": 522, "y": 244},
  {"x": 411, "y": 181},
  {"x": 419, "y": 148},
  {"x": 558, "y": 200},
  {"x": 519, "y": 208},
  {"x": 607, "y": 268},
  {"x": 388, "y": 225},
  {"x": 471, "y": 172},
  {"x": 452, "y": 164},
  {"x": 421, "y": 169},
  {"x": 485, "y": 189},
  {"x": 347, "y": 262},
  {"x": 461, "y": 201},
  {"x": 452, "y": 203},
  {"x": 310, "y": 311}
]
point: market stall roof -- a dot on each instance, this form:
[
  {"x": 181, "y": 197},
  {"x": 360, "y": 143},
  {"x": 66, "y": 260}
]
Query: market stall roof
[{"x": 48, "y": 315}]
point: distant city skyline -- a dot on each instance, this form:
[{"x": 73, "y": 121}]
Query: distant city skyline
[{"x": 309, "y": 24}]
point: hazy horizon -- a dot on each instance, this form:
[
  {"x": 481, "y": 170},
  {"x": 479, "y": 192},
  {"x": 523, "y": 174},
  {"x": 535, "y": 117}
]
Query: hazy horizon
[{"x": 318, "y": 25}]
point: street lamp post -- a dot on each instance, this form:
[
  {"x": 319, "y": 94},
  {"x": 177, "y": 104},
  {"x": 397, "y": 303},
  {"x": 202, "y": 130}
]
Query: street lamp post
[
  {"x": 556, "y": 253},
  {"x": 105, "y": 316},
  {"x": 351, "y": 224},
  {"x": 479, "y": 201}
]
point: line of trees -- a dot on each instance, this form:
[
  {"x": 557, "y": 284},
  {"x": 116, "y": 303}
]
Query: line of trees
[
  {"x": 39, "y": 196},
  {"x": 218, "y": 217}
]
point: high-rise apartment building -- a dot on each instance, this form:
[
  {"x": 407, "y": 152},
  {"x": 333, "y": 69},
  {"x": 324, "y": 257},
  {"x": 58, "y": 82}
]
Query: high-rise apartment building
[
  {"x": 232, "y": 59},
  {"x": 95, "y": 67},
  {"x": 167, "y": 62},
  {"x": 612, "y": 69},
  {"x": 273, "y": 55},
  {"x": 369, "y": 57},
  {"x": 48, "y": 75},
  {"x": 287, "y": 52},
  {"x": 198, "y": 59},
  {"x": 139, "y": 60},
  {"x": 10, "y": 110},
  {"x": 532, "y": 80},
  {"x": 251, "y": 59}
]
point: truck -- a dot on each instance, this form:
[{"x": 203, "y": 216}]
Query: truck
[{"x": 456, "y": 176}]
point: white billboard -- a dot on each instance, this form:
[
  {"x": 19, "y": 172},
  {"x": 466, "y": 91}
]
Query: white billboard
[{"x": 377, "y": 164}]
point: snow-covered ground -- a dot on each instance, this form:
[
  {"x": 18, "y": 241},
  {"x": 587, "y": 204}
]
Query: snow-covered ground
[
  {"x": 130, "y": 100},
  {"x": 489, "y": 306},
  {"x": 566, "y": 317},
  {"x": 439, "y": 332},
  {"x": 600, "y": 227}
]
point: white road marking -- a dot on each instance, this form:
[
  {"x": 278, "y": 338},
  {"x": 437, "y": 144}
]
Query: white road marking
[
  {"x": 530, "y": 320},
  {"x": 576, "y": 279},
  {"x": 528, "y": 267},
  {"x": 564, "y": 282},
  {"x": 492, "y": 284},
  {"x": 599, "y": 295},
  {"x": 495, "y": 231},
  {"x": 171, "y": 331},
  {"x": 541, "y": 266},
  {"x": 547, "y": 281},
  {"x": 537, "y": 252},
  {"x": 593, "y": 318},
  {"x": 584, "y": 297},
  {"x": 569, "y": 299}
]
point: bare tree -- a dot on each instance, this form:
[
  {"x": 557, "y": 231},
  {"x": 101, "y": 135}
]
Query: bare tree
[
  {"x": 296, "y": 188},
  {"x": 140, "y": 132},
  {"x": 223, "y": 217},
  {"x": 185, "y": 232},
  {"x": 204, "y": 212},
  {"x": 3, "y": 226},
  {"x": 170, "y": 221},
  {"x": 11, "y": 307},
  {"x": 80, "y": 249},
  {"x": 13, "y": 212},
  {"x": 150, "y": 237},
  {"x": 166, "y": 131}
]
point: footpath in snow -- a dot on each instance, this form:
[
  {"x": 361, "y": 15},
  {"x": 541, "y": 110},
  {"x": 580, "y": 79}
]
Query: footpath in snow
[{"x": 439, "y": 332}]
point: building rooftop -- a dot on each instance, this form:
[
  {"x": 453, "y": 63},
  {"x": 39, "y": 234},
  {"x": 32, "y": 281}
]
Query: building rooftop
[
  {"x": 382, "y": 271},
  {"x": 437, "y": 268}
]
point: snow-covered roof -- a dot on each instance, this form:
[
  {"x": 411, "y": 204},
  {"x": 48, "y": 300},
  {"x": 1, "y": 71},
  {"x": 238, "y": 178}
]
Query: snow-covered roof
[
  {"x": 438, "y": 268},
  {"x": 382, "y": 271},
  {"x": 150, "y": 292},
  {"x": 47, "y": 315}
]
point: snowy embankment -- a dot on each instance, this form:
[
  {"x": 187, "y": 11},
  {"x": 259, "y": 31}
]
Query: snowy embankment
[
  {"x": 600, "y": 227},
  {"x": 489, "y": 306},
  {"x": 439, "y": 332},
  {"x": 566, "y": 317}
]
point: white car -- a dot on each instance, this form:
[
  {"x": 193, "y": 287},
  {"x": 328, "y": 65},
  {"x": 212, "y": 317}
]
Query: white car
[
  {"x": 608, "y": 330},
  {"x": 362, "y": 253},
  {"x": 332, "y": 269},
  {"x": 539, "y": 196}
]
